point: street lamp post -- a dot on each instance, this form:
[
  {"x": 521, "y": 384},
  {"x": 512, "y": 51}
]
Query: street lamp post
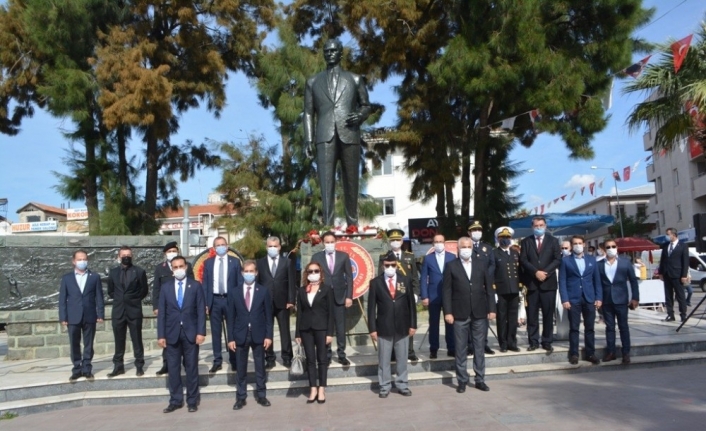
[{"x": 617, "y": 198}]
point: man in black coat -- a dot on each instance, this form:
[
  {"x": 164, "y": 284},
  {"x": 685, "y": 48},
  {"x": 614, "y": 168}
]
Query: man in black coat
[
  {"x": 507, "y": 287},
  {"x": 469, "y": 302},
  {"x": 484, "y": 252},
  {"x": 392, "y": 316},
  {"x": 127, "y": 287},
  {"x": 674, "y": 270},
  {"x": 162, "y": 274},
  {"x": 277, "y": 273},
  {"x": 540, "y": 257}
]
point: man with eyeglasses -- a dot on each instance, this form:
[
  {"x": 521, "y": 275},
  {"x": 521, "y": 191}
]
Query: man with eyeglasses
[{"x": 616, "y": 272}]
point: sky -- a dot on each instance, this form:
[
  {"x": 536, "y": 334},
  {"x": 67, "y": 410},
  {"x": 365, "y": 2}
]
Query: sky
[{"x": 28, "y": 159}]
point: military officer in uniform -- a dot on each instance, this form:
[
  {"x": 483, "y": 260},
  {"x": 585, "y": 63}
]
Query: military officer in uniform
[
  {"x": 507, "y": 288},
  {"x": 408, "y": 267},
  {"x": 162, "y": 273},
  {"x": 483, "y": 251}
]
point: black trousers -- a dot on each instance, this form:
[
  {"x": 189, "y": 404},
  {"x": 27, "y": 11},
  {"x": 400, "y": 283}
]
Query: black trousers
[
  {"x": 546, "y": 301},
  {"x": 506, "y": 322},
  {"x": 217, "y": 318},
  {"x": 120, "y": 328},
  {"x": 188, "y": 351},
  {"x": 81, "y": 361},
  {"x": 339, "y": 318},
  {"x": 282, "y": 316},
  {"x": 672, "y": 288},
  {"x": 316, "y": 354},
  {"x": 258, "y": 355}
]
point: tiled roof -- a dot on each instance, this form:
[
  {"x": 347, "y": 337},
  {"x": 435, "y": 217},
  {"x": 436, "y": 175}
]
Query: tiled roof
[{"x": 45, "y": 208}]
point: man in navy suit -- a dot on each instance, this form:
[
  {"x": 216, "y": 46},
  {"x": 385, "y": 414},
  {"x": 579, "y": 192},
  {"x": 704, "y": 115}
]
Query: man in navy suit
[
  {"x": 616, "y": 272},
  {"x": 581, "y": 293},
  {"x": 80, "y": 307},
  {"x": 250, "y": 325},
  {"x": 181, "y": 328},
  {"x": 432, "y": 278},
  {"x": 221, "y": 274},
  {"x": 674, "y": 270}
]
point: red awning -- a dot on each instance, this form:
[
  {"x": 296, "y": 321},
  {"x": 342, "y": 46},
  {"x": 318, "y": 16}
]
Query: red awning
[{"x": 635, "y": 244}]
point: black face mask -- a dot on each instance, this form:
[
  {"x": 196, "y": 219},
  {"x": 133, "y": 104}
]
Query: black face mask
[{"x": 126, "y": 260}]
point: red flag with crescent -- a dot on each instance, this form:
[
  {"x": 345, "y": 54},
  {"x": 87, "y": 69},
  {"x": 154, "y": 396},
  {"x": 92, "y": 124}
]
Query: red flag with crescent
[{"x": 679, "y": 50}]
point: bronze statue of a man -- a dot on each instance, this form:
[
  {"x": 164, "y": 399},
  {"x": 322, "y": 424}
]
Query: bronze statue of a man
[{"x": 339, "y": 101}]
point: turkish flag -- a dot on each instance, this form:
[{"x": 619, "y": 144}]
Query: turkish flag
[
  {"x": 591, "y": 187},
  {"x": 626, "y": 173},
  {"x": 616, "y": 175},
  {"x": 679, "y": 50}
]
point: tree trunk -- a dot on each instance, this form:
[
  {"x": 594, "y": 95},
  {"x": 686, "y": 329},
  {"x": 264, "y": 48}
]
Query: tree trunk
[
  {"x": 121, "y": 138},
  {"x": 466, "y": 177},
  {"x": 149, "y": 225},
  {"x": 450, "y": 225},
  {"x": 91, "y": 183},
  {"x": 481, "y": 165}
]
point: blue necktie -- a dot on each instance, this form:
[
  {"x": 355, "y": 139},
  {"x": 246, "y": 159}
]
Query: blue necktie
[{"x": 180, "y": 294}]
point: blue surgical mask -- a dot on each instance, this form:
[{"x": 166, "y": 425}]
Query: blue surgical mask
[
  {"x": 272, "y": 252},
  {"x": 538, "y": 231},
  {"x": 81, "y": 265},
  {"x": 505, "y": 242},
  {"x": 221, "y": 250},
  {"x": 249, "y": 277}
]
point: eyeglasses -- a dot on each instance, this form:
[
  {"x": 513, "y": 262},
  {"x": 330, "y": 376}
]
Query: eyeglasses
[
  {"x": 565, "y": 248},
  {"x": 313, "y": 271},
  {"x": 390, "y": 265},
  {"x": 611, "y": 246}
]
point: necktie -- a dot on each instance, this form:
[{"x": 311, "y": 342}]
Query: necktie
[
  {"x": 539, "y": 244},
  {"x": 273, "y": 269},
  {"x": 671, "y": 248},
  {"x": 222, "y": 278},
  {"x": 180, "y": 294},
  {"x": 391, "y": 286},
  {"x": 247, "y": 298},
  {"x": 332, "y": 80},
  {"x": 330, "y": 263}
]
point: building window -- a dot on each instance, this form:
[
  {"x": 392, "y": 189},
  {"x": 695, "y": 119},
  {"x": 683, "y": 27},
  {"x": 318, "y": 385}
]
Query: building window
[
  {"x": 33, "y": 218},
  {"x": 701, "y": 168},
  {"x": 658, "y": 185},
  {"x": 620, "y": 211},
  {"x": 641, "y": 210},
  {"x": 659, "y": 231},
  {"x": 678, "y": 212},
  {"x": 594, "y": 211},
  {"x": 388, "y": 206},
  {"x": 661, "y": 216},
  {"x": 385, "y": 167},
  {"x": 675, "y": 177}
]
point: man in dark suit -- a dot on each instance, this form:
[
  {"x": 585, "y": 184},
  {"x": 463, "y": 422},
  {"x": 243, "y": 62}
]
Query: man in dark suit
[
  {"x": 507, "y": 287},
  {"x": 277, "y": 273},
  {"x": 407, "y": 265},
  {"x": 674, "y": 270},
  {"x": 540, "y": 257},
  {"x": 616, "y": 272},
  {"x": 338, "y": 100},
  {"x": 221, "y": 274},
  {"x": 484, "y": 252},
  {"x": 581, "y": 293},
  {"x": 339, "y": 277},
  {"x": 469, "y": 302},
  {"x": 181, "y": 329},
  {"x": 250, "y": 325},
  {"x": 392, "y": 316},
  {"x": 431, "y": 283},
  {"x": 162, "y": 274},
  {"x": 80, "y": 307},
  {"x": 127, "y": 287}
]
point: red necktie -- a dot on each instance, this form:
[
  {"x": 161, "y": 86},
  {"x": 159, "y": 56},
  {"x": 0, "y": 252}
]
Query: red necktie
[
  {"x": 539, "y": 244},
  {"x": 391, "y": 286},
  {"x": 247, "y": 298}
]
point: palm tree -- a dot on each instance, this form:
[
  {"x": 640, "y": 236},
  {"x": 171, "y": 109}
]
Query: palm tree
[{"x": 671, "y": 94}]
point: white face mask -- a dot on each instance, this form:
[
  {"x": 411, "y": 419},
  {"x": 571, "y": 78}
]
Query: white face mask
[
  {"x": 180, "y": 274},
  {"x": 171, "y": 255},
  {"x": 390, "y": 272},
  {"x": 476, "y": 236},
  {"x": 600, "y": 253},
  {"x": 578, "y": 249},
  {"x": 313, "y": 277},
  {"x": 565, "y": 252},
  {"x": 439, "y": 247},
  {"x": 396, "y": 245},
  {"x": 612, "y": 252},
  {"x": 330, "y": 247},
  {"x": 466, "y": 253}
]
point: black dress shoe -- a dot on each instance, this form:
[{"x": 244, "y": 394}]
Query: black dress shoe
[
  {"x": 592, "y": 359},
  {"x": 489, "y": 351},
  {"x": 171, "y": 407},
  {"x": 75, "y": 376},
  {"x": 482, "y": 386},
  {"x": 412, "y": 357},
  {"x": 548, "y": 348},
  {"x": 432, "y": 355},
  {"x": 405, "y": 392},
  {"x": 215, "y": 368},
  {"x": 383, "y": 394},
  {"x": 344, "y": 361},
  {"x": 140, "y": 372},
  {"x": 608, "y": 357},
  {"x": 513, "y": 349},
  {"x": 89, "y": 376},
  {"x": 669, "y": 319},
  {"x": 239, "y": 404},
  {"x": 626, "y": 358},
  {"x": 269, "y": 365},
  {"x": 574, "y": 360},
  {"x": 193, "y": 408},
  {"x": 451, "y": 353},
  {"x": 162, "y": 371},
  {"x": 116, "y": 372},
  {"x": 503, "y": 350},
  {"x": 683, "y": 318},
  {"x": 264, "y": 402},
  {"x": 316, "y": 398},
  {"x": 287, "y": 363},
  {"x": 532, "y": 347},
  {"x": 461, "y": 388}
]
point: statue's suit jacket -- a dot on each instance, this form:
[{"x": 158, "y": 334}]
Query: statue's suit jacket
[{"x": 332, "y": 106}]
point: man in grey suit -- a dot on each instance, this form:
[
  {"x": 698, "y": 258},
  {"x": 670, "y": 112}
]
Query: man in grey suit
[{"x": 339, "y": 101}]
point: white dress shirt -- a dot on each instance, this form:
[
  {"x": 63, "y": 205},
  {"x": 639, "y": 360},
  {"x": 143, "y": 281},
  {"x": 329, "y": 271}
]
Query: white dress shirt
[
  {"x": 440, "y": 259},
  {"x": 610, "y": 269},
  {"x": 467, "y": 266},
  {"x": 81, "y": 279}
]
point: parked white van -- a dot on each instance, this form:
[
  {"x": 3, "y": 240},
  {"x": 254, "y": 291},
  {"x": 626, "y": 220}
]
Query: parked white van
[{"x": 697, "y": 266}]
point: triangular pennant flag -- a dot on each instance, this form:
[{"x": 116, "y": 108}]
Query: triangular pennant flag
[
  {"x": 662, "y": 152},
  {"x": 549, "y": 204},
  {"x": 563, "y": 198},
  {"x": 542, "y": 209},
  {"x": 556, "y": 200},
  {"x": 616, "y": 175},
  {"x": 647, "y": 159},
  {"x": 600, "y": 183},
  {"x": 535, "y": 210},
  {"x": 626, "y": 173},
  {"x": 591, "y": 187},
  {"x": 582, "y": 189},
  {"x": 634, "y": 167},
  {"x": 636, "y": 69},
  {"x": 572, "y": 195},
  {"x": 508, "y": 123},
  {"x": 607, "y": 99},
  {"x": 679, "y": 50},
  {"x": 535, "y": 116}
]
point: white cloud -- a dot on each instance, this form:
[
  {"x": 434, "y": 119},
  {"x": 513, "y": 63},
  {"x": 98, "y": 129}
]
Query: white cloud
[
  {"x": 580, "y": 181},
  {"x": 534, "y": 199}
]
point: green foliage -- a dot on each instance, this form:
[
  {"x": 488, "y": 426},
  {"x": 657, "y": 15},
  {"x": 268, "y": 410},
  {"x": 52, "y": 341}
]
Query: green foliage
[{"x": 632, "y": 226}]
